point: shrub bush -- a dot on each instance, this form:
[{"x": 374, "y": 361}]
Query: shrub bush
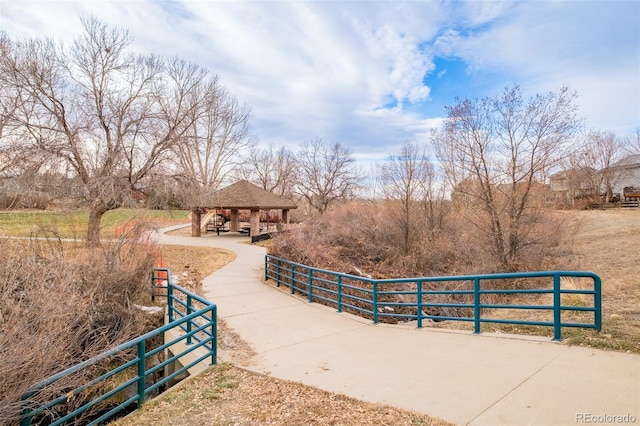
[
  {"x": 62, "y": 304},
  {"x": 359, "y": 238}
]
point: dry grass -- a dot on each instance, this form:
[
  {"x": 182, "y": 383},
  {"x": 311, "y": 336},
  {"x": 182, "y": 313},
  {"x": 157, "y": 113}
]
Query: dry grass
[
  {"x": 191, "y": 264},
  {"x": 606, "y": 242},
  {"x": 227, "y": 395}
]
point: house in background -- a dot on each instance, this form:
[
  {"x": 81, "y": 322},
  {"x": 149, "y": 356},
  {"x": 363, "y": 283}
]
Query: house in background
[
  {"x": 626, "y": 174},
  {"x": 571, "y": 185},
  {"x": 575, "y": 186}
]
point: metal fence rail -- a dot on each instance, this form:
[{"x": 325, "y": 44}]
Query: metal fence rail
[
  {"x": 471, "y": 298},
  {"x": 134, "y": 376}
]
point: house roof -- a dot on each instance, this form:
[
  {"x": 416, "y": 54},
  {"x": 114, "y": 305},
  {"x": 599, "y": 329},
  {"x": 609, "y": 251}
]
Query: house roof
[
  {"x": 630, "y": 161},
  {"x": 572, "y": 173},
  {"x": 245, "y": 195}
]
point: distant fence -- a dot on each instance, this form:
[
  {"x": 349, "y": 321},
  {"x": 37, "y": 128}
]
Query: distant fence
[
  {"x": 468, "y": 298},
  {"x": 130, "y": 374}
]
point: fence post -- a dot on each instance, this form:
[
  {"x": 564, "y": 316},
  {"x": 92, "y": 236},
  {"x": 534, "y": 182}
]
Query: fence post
[
  {"x": 339, "y": 293},
  {"x": 293, "y": 276},
  {"x": 310, "y": 285},
  {"x": 476, "y": 305},
  {"x": 141, "y": 372},
  {"x": 26, "y": 411},
  {"x": 557, "y": 318},
  {"x": 170, "y": 301},
  {"x": 153, "y": 284},
  {"x": 597, "y": 302},
  {"x": 278, "y": 273},
  {"x": 266, "y": 267},
  {"x": 419, "y": 302},
  {"x": 375, "y": 302},
  {"x": 214, "y": 333},
  {"x": 189, "y": 337}
]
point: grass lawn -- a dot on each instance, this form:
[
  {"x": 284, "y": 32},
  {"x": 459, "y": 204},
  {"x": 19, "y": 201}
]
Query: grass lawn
[{"x": 73, "y": 224}]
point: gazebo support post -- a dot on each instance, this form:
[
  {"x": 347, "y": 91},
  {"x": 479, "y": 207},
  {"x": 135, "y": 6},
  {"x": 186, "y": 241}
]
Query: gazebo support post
[
  {"x": 234, "y": 227},
  {"x": 196, "y": 217},
  {"x": 254, "y": 221}
]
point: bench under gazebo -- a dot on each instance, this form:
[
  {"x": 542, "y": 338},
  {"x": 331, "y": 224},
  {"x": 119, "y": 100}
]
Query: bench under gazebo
[{"x": 242, "y": 195}]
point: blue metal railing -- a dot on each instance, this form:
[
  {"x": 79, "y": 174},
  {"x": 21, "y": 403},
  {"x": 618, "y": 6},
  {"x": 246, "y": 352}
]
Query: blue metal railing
[
  {"x": 133, "y": 378},
  {"x": 458, "y": 298}
]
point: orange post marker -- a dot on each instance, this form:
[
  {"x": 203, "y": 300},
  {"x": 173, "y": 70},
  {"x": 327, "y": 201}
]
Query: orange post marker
[{"x": 161, "y": 276}]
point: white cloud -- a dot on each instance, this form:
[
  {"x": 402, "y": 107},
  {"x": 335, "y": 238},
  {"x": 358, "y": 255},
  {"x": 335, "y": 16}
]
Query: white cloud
[
  {"x": 395, "y": 68},
  {"x": 308, "y": 69},
  {"x": 353, "y": 70}
]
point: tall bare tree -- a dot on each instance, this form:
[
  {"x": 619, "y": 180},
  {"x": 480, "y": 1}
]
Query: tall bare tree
[
  {"x": 496, "y": 151},
  {"x": 273, "y": 170},
  {"x": 12, "y": 159},
  {"x": 601, "y": 150},
  {"x": 219, "y": 132},
  {"x": 111, "y": 115},
  {"x": 326, "y": 174},
  {"x": 407, "y": 178},
  {"x": 578, "y": 176}
]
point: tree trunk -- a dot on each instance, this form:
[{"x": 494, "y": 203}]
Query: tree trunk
[
  {"x": 406, "y": 225},
  {"x": 96, "y": 211}
]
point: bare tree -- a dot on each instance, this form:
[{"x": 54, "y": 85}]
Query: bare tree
[
  {"x": 601, "y": 151},
  {"x": 589, "y": 170},
  {"x": 326, "y": 174},
  {"x": 218, "y": 133},
  {"x": 579, "y": 179},
  {"x": 112, "y": 116},
  {"x": 272, "y": 170},
  {"x": 13, "y": 161},
  {"x": 8, "y": 99},
  {"x": 497, "y": 151},
  {"x": 632, "y": 142},
  {"x": 406, "y": 179}
]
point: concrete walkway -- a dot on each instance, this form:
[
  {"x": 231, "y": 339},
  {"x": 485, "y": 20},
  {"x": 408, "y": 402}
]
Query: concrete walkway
[{"x": 458, "y": 376}]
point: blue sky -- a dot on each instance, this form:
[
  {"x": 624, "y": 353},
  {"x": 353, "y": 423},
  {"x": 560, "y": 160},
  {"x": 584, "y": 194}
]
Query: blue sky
[{"x": 376, "y": 74}]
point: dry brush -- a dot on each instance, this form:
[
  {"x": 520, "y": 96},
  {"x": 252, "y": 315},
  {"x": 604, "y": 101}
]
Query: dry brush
[{"x": 61, "y": 304}]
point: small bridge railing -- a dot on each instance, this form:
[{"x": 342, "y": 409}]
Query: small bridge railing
[
  {"x": 468, "y": 298},
  {"x": 129, "y": 373}
]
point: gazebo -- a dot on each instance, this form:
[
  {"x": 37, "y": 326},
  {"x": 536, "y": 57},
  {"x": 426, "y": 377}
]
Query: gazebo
[{"x": 242, "y": 195}]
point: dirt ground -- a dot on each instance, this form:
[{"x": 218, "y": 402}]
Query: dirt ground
[{"x": 606, "y": 242}]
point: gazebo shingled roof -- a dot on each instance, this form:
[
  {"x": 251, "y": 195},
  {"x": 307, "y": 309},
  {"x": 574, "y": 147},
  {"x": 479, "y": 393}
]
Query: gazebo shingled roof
[{"x": 245, "y": 195}]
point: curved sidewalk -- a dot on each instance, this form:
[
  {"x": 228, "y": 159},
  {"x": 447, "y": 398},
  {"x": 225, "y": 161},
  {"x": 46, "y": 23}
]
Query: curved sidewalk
[{"x": 458, "y": 376}]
